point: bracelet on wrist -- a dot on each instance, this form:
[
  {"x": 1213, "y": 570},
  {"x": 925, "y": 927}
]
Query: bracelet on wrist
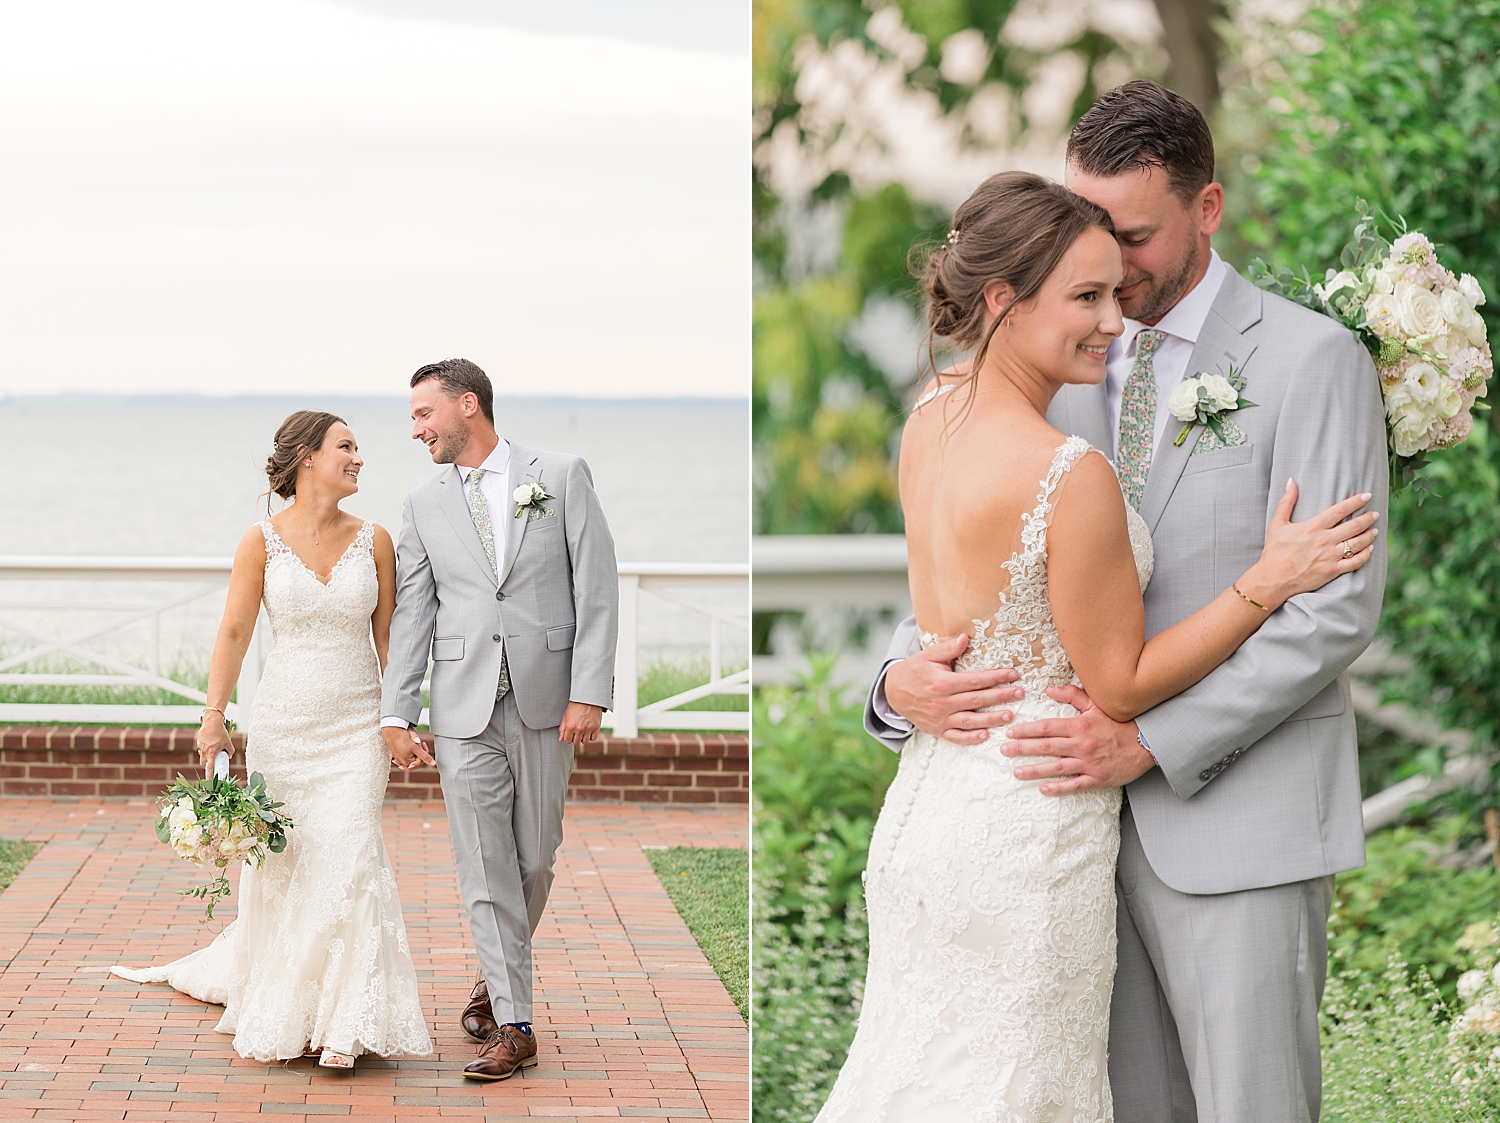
[{"x": 1247, "y": 600}]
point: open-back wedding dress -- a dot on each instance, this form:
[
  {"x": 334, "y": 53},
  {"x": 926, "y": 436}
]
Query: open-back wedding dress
[
  {"x": 317, "y": 957},
  {"x": 991, "y": 906}
]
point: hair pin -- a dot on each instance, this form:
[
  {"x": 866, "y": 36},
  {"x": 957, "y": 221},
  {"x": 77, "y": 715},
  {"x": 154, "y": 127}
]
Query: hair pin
[{"x": 953, "y": 237}]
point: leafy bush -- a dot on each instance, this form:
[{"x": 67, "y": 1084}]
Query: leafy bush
[
  {"x": 1403, "y": 900},
  {"x": 1398, "y": 103},
  {"x": 819, "y": 783},
  {"x": 1385, "y": 1052}
]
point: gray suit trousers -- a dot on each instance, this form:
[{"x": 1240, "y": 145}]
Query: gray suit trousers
[
  {"x": 1244, "y": 974},
  {"x": 505, "y": 791}
]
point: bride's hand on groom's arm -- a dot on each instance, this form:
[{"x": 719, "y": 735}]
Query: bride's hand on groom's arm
[
  {"x": 926, "y": 690},
  {"x": 1093, "y": 750}
]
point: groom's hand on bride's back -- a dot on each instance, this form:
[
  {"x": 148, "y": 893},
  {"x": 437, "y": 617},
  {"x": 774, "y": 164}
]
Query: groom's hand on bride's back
[
  {"x": 929, "y": 693},
  {"x": 1092, "y": 750}
]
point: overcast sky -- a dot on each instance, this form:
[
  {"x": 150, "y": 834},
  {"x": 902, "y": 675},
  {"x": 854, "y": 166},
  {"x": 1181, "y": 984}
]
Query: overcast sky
[{"x": 243, "y": 196}]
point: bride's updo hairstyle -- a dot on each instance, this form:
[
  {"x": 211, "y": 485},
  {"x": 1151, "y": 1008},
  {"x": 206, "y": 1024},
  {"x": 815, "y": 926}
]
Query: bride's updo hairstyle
[
  {"x": 1015, "y": 228},
  {"x": 299, "y": 434}
]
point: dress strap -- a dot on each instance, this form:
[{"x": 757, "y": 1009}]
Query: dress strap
[
  {"x": 365, "y": 539},
  {"x": 935, "y": 393},
  {"x": 1034, "y": 525},
  {"x": 274, "y": 545}
]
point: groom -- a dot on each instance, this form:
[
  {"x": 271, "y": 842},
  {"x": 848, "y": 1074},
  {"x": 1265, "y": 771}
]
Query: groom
[
  {"x": 505, "y": 576},
  {"x": 1242, "y": 793}
]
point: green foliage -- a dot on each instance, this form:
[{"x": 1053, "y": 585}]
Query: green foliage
[
  {"x": 1385, "y": 1052},
  {"x": 710, "y": 888},
  {"x": 1400, "y": 104},
  {"x": 1404, "y": 901},
  {"x": 14, "y": 854},
  {"x": 666, "y": 677},
  {"x": 819, "y": 783}
]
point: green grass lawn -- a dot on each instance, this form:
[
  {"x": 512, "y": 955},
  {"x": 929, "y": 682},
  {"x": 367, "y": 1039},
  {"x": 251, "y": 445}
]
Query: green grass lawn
[
  {"x": 711, "y": 889},
  {"x": 14, "y": 855}
]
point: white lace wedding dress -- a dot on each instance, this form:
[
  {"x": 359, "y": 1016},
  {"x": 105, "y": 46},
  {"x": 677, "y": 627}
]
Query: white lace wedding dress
[
  {"x": 317, "y": 957},
  {"x": 991, "y": 906}
]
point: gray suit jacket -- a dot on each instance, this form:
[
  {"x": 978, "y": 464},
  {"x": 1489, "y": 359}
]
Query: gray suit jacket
[
  {"x": 1259, "y": 776},
  {"x": 555, "y": 605}
]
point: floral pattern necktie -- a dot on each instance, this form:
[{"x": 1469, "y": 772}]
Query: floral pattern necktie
[
  {"x": 479, "y": 512},
  {"x": 1138, "y": 418}
]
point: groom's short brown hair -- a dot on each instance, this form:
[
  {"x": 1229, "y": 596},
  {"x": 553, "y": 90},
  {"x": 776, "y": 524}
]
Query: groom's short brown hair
[
  {"x": 1144, "y": 125},
  {"x": 459, "y": 377}
]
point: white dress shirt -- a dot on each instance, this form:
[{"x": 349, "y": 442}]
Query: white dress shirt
[
  {"x": 1182, "y": 324},
  {"x": 495, "y": 486}
]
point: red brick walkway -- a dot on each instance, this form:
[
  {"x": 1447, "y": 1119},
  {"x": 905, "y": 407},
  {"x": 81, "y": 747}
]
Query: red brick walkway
[{"x": 631, "y": 1019}]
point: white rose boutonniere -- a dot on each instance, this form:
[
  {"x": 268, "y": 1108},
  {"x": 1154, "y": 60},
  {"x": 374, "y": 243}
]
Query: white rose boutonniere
[
  {"x": 530, "y": 499},
  {"x": 1204, "y": 399}
]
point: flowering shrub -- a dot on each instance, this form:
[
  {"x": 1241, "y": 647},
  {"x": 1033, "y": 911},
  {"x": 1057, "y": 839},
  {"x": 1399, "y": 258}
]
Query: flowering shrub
[
  {"x": 1474, "y": 1036},
  {"x": 217, "y": 821}
]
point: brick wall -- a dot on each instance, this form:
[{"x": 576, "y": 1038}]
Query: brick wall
[{"x": 138, "y": 762}]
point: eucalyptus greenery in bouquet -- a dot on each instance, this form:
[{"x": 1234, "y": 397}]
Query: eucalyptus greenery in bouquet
[
  {"x": 1420, "y": 325},
  {"x": 216, "y": 821}
]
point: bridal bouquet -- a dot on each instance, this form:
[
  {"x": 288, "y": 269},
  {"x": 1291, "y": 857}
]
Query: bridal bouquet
[
  {"x": 1420, "y": 325},
  {"x": 217, "y": 821}
]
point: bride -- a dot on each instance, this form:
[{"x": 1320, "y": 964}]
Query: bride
[
  {"x": 991, "y": 906},
  {"x": 317, "y": 959}
]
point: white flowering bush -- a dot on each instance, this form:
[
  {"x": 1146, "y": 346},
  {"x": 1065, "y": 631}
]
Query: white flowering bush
[
  {"x": 217, "y": 821},
  {"x": 1420, "y": 325},
  {"x": 1474, "y": 1035}
]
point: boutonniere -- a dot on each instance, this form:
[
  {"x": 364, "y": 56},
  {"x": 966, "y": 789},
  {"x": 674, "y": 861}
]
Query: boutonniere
[
  {"x": 531, "y": 499},
  {"x": 1204, "y": 399}
]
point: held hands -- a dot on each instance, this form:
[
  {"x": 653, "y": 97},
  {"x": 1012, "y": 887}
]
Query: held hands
[
  {"x": 406, "y": 747},
  {"x": 211, "y": 739},
  {"x": 1093, "y": 750},
  {"x": 1301, "y": 557},
  {"x": 580, "y": 724},
  {"x": 929, "y": 693}
]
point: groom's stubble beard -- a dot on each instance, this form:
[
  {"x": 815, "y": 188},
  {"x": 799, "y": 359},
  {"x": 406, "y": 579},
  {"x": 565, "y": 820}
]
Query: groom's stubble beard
[
  {"x": 1162, "y": 297},
  {"x": 451, "y": 444}
]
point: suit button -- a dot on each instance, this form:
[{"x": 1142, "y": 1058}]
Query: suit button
[
  {"x": 499, "y": 595},
  {"x": 496, "y": 637},
  {"x": 1205, "y": 775}
]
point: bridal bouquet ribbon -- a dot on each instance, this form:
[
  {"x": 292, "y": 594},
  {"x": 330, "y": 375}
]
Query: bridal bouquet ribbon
[
  {"x": 1420, "y": 325},
  {"x": 217, "y": 821}
]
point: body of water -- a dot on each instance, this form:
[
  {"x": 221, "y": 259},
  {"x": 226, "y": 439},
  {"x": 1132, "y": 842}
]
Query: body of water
[{"x": 175, "y": 475}]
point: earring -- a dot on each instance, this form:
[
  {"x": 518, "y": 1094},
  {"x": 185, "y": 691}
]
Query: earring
[{"x": 308, "y": 463}]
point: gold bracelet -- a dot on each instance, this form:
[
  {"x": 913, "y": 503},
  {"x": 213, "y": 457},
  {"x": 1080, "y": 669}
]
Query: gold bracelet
[
  {"x": 1247, "y": 600},
  {"x": 216, "y": 710}
]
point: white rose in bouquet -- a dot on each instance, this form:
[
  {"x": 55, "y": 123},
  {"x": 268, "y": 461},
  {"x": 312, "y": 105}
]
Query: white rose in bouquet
[
  {"x": 1381, "y": 314},
  {"x": 1471, "y": 289},
  {"x": 1380, "y": 281},
  {"x": 1418, "y": 312}
]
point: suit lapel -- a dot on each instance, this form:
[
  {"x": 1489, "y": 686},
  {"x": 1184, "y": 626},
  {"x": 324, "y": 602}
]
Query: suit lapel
[
  {"x": 1221, "y": 345},
  {"x": 456, "y": 509},
  {"x": 522, "y": 468}
]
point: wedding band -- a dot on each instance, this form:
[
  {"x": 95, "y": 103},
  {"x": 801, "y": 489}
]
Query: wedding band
[{"x": 1348, "y": 550}]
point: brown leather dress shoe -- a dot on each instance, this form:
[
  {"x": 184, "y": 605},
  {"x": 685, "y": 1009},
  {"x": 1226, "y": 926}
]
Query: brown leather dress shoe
[
  {"x": 478, "y": 1019},
  {"x": 506, "y": 1053}
]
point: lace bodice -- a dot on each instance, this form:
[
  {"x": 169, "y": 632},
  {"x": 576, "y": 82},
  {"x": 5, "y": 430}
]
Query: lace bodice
[
  {"x": 305, "y": 611},
  {"x": 1021, "y": 633}
]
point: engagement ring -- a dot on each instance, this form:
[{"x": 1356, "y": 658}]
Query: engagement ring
[{"x": 1348, "y": 550}]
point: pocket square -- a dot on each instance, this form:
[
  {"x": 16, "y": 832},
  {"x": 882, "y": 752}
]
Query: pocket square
[{"x": 1208, "y": 440}]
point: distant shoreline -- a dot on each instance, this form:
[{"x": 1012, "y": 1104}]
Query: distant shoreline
[{"x": 211, "y": 400}]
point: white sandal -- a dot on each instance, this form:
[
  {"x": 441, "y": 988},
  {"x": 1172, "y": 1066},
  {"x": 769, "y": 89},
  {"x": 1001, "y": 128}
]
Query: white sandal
[{"x": 331, "y": 1058}]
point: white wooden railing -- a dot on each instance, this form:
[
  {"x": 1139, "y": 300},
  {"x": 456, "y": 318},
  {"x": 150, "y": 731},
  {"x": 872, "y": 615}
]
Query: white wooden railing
[{"x": 112, "y": 617}]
